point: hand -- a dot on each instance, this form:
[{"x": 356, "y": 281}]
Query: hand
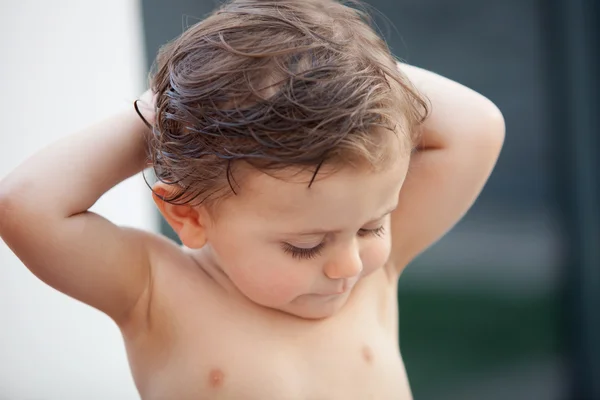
[{"x": 146, "y": 107}]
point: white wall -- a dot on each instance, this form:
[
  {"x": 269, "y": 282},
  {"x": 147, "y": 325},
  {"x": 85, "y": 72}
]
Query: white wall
[{"x": 64, "y": 64}]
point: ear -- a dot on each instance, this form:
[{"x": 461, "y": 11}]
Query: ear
[{"x": 187, "y": 221}]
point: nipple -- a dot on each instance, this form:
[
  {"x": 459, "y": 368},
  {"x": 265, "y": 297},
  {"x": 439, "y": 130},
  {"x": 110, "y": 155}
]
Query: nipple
[
  {"x": 367, "y": 354},
  {"x": 215, "y": 378}
]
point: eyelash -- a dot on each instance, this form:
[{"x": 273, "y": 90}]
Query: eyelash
[{"x": 307, "y": 254}]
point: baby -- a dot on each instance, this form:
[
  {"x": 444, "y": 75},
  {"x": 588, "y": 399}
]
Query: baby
[{"x": 302, "y": 168}]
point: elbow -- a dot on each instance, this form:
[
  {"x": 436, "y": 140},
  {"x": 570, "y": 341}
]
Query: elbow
[
  {"x": 9, "y": 204},
  {"x": 9, "y": 186},
  {"x": 497, "y": 127},
  {"x": 6, "y": 202},
  {"x": 490, "y": 138},
  {"x": 495, "y": 116},
  {"x": 490, "y": 128},
  {"x": 483, "y": 136},
  {"x": 5, "y": 197}
]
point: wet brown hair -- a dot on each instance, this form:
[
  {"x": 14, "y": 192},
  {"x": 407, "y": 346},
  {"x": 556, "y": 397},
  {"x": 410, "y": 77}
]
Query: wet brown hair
[{"x": 276, "y": 84}]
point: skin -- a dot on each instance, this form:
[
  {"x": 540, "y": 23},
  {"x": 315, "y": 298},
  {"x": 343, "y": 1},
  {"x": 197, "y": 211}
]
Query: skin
[
  {"x": 233, "y": 314},
  {"x": 299, "y": 250}
]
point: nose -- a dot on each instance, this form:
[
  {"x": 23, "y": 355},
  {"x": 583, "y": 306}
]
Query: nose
[{"x": 346, "y": 263}]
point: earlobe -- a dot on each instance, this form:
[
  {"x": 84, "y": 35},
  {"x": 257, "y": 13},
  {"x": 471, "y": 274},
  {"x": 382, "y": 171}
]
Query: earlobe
[{"x": 185, "y": 219}]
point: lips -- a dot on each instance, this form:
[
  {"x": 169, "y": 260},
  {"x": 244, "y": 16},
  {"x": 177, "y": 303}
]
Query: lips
[
  {"x": 347, "y": 286},
  {"x": 329, "y": 294}
]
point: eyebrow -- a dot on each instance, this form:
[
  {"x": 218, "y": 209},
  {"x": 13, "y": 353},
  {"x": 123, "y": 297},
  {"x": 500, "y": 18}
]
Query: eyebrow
[{"x": 326, "y": 231}]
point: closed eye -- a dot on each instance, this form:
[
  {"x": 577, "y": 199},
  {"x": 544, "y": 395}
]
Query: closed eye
[
  {"x": 300, "y": 253},
  {"x": 372, "y": 232}
]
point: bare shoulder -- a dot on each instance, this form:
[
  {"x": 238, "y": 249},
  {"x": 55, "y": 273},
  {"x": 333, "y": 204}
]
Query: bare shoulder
[{"x": 167, "y": 262}]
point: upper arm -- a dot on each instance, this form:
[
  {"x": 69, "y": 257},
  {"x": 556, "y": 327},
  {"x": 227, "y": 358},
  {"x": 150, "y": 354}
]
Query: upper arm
[
  {"x": 443, "y": 181},
  {"x": 84, "y": 256}
]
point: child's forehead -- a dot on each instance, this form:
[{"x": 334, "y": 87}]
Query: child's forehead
[{"x": 346, "y": 190}]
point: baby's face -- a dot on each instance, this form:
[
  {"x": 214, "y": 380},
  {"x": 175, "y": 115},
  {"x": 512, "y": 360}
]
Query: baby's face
[{"x": 301, "y": 250}]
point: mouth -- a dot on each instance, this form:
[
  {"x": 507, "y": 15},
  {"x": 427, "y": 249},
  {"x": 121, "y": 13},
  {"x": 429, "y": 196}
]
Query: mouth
[
  {"x": 326, "y": 298},
  {"x": 328, "y": 294},
  {"x": 339, "y": 292},
  {"x": 346, "y": 287},
  {"x": 331, "y": 294}
]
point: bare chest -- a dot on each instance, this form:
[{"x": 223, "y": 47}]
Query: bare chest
[{"x": 231, "y": 353}]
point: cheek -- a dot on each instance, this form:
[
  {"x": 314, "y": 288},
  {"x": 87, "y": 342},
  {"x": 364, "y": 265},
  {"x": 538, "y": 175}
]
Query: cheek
[
  {"x": 264, "y": 274},
  {"x": 376, "y": 254}
]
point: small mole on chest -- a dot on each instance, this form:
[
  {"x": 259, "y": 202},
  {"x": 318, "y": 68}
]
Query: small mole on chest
[
  {"x": 367, "y": 354},
  {"x": 215, "y": 378}
]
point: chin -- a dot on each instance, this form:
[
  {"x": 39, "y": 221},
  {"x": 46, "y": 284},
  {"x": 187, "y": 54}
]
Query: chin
[
  {"x": 318, "y": 315},
  {"x": 311, "y": 314}
]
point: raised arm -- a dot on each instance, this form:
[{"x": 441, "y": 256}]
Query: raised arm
[
  {"x": 44, "y": 217},
  {"x": 461, "y": 142}
]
